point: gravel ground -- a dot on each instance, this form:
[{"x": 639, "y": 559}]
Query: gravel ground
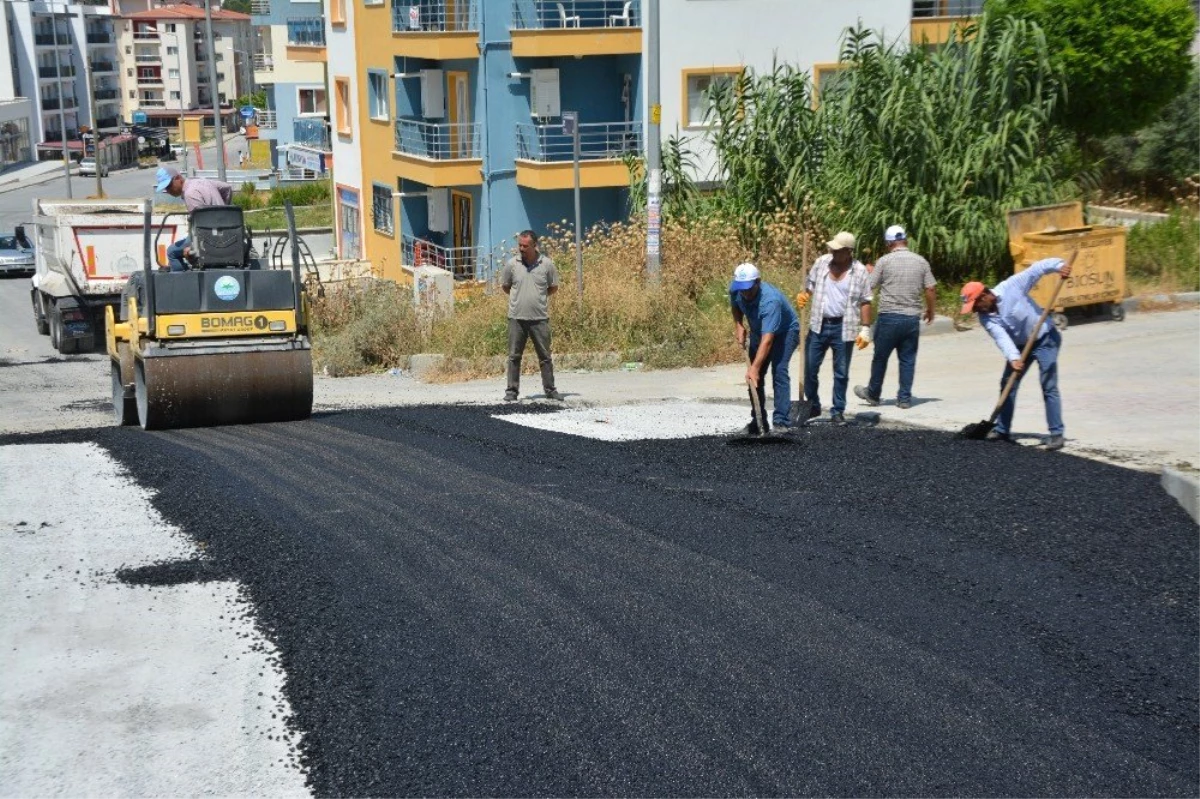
[{"x": 465, "y": 606}]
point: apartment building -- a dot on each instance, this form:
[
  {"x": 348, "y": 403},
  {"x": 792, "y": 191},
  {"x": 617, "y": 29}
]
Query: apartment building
[
  {"x": 289, "y": 65},
  {"x": 54, "y": 50},
  {"x": 164, "y": 72}
]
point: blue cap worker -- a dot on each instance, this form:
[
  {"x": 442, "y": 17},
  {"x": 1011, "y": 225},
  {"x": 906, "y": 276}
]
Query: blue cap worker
[
  {"x": 196, "y": 193},
  {"x": 763, "y": 318}
]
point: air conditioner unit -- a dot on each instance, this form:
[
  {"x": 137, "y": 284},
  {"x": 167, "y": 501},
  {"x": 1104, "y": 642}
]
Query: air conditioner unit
[{"x": 545, "y": 99}]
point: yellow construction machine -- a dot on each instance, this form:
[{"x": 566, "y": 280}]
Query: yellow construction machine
[{"x": 225, "y": 342}]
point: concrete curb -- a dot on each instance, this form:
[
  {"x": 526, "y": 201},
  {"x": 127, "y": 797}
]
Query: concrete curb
[
  {"x": 1132, "y": 304},
  {"x": 1185, "y": 488}
]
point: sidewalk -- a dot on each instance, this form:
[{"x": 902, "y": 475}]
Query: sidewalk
[
  {"x": 1131, "y": 389},
  {"x": 32, "y": 174}
]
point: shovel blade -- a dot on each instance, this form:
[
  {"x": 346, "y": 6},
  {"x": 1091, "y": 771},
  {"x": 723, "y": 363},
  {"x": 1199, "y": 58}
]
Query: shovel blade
[{"x": 977, "y": 431}]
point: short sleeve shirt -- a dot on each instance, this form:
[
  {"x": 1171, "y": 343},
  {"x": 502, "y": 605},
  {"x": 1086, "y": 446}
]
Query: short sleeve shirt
[
  {"x": 529, "y": 287},
  {"x": 902, "y": 277},
  {"x": 769, "y": 312},
  {"x": 203, "y": 192}
]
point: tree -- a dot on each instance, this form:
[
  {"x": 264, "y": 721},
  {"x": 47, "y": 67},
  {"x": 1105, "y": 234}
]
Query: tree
[
  {"x": 241, "y": 6},
  {"x": 1124, "y": 59}
]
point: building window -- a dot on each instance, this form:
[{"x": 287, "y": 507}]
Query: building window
[
  {"x": 381, "y": 208},
  {"x": 697, "y": 83},
  {"x": 172, "y": 50},
  {"x": 825, "y": 78},
  {"x": 377, "y": 84},
  {"x": 173, "y": 73},
  {"x": 345, "y": 118},
  {"x": 170, "y": 27},
  {"x": 175, "y": 95},
  {"x": 312, "y": 101},
  {"x": 132, "y": 94}
]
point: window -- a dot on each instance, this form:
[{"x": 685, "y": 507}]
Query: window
[
  {"x": 174, "y": 95},
  {"x": 826, "y": 78},
  {"x": 345, "y": 118},
  {"x": 697, "y": 83},
  {"x": 221, "y": 76},
  {"x": 312, "y": 101},
  {"x": 172, "y": 50},
  {"x": 377, "y": 99},
  {"x": 132, "y": 94},
  {"x": 128, "y": 50},
  {"x": 381, "y": 208},
  {"x": 170, "y": 27},
  {"x": 173, "y": 73},
  {"x": 129, "y": 72}
]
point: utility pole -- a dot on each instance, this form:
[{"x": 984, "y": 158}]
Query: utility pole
[
  {"x": 653, "y": 149},
  {"x": 87, "y": 63},
  {"x": 62, "y": 100},
  {"x": 214, "y": 89},
  {"x": 570, "y": 123}
]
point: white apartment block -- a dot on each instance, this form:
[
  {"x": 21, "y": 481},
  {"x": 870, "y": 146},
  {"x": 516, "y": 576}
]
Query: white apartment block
[{"x": 164, "y": 62}]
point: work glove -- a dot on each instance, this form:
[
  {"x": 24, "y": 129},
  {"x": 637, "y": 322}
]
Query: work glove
[
  {"x": 802, "y": 299},
  {"x": 864, "y": 337}
]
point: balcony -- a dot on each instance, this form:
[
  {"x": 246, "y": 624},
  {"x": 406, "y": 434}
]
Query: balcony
[
  {"x": 103, "y": 67},
  {"x": 148, "y": 58},
  {"x": 438, "y": 154},
  {"x": 264, "y": 62},
  {"x": 576, "y": 27},
  {"x": 436, "y": 29},
  {"x": 465, "y": 263},
  {"x": 152, "y": 102},
  {"x": 47, "y": 39},
  {"x": 146, "y": 35},
  {"x": 545, "y": 155},
  {"x": 260, "y": 8},
  {"x": 54, "y": 104},
  {"x": 52, "y": 72},
  {"x": 306, "y": 39},
  {"x": 108, "y": 122},
  {"x": 150, "y": 80},
  {"x": 933, "y": 19},
  {"x": 266, "y": 120},
  {"x": 102, "y": 37},
  {"x": 311, "y": 133},
  {"x": 108, "y": 94}
]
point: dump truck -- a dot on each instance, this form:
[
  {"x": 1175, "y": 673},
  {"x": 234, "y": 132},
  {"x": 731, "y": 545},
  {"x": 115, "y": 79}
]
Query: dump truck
[
  {"x": 225, "y": 342},
  {"x": 85, "y": 251}
]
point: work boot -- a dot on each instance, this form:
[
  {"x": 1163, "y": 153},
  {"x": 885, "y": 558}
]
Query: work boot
[
  {"x": 1055, "y": 443},
  {"x": 752, "y": 429},
  {"x": 904, "y": 405},
  {"x": 510, "y": 396},
  {"x": 862, "y": 393},
  {"x": 996, "y": 435},
  {"x": 551, "y": 394},
  {"x": 837, "y": 417}
]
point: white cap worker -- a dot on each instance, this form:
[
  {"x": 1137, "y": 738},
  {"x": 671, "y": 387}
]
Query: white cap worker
[
  {"x": 839, "y": 288},
  {"x": 762, "y": 312},
  {"x": 196, "y": 193},
  {"x": 904, "y": 281}
]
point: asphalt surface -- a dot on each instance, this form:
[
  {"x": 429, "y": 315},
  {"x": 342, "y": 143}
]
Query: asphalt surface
[{"x": 464, "y": 606}]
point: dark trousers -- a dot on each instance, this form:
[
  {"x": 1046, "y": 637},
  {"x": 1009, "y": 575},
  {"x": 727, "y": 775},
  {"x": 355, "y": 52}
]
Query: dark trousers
[
  {"x": 816, "y": 344},
  {"x": 781, "y": 355},
  {"x": 900, "y": 333},
  {"x": 521, "y": 331}
]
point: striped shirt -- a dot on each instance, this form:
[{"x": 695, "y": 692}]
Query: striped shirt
[
  {"x": 901, "y": 277},
  {"x": 858, "y": 291}
]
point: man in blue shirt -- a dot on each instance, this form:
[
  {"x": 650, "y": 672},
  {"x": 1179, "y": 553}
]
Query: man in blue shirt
[
  {"x": 1009, "y": 316},
  {"x": 774, "y": 332}
]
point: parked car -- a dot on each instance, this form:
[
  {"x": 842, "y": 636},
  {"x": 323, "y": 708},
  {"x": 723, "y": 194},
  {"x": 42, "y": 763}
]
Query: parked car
[
  {"x": 16, "y": 254},
  {"x": 87, "y": 166}
]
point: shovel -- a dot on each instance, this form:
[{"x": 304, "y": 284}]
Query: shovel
[
  {"x": 801, "y": 408},
  {"x": 979, "y": 430}
]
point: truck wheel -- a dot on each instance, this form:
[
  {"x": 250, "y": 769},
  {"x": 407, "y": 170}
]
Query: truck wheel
[
  {"x": 39, "y": 313},
  {"x": 1117, "y": 311},
  {"x": 58, "y": 340},
  {"x": 55, "y": 325}
]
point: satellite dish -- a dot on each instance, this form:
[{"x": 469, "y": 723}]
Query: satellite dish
[{"x": 141, "y": 139}]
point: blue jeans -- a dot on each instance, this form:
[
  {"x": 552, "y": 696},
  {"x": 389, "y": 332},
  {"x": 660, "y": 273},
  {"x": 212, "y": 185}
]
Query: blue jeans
[
  {"x": 901, "y": 333},
  {"x": 175, "y": 255},
  {"x": 1045, "y": 352},
  {"x": 782, "y": 349},
  {"x": 830, "y": 338}
]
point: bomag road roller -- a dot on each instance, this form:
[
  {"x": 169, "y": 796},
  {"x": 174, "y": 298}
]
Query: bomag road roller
[{"x": 225, "y": 342}]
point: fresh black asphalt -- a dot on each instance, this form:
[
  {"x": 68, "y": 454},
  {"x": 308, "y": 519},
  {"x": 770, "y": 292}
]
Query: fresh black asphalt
[{"x": 467, "y": 607}]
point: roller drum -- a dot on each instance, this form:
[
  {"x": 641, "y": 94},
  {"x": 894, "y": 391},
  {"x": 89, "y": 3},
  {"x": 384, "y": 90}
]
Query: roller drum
[{"x": 197, "y": 389}]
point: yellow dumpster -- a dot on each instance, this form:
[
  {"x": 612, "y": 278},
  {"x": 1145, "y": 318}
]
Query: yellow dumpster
[{"x": 1097, "y": 280}]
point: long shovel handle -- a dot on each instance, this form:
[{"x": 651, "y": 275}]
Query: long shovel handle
[{"x": 1028, "y": 348}]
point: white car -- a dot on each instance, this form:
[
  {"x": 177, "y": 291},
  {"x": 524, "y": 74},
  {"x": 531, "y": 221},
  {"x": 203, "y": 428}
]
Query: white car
[{"x": 87, "y": 166}]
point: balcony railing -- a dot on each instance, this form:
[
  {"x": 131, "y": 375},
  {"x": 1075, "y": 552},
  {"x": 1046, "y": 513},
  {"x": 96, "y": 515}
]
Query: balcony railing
[
  {"x": 103, "y": 66},
  {"x": 597, "y": 141},
  {"x": 266, "y": 120},
  {"x": 440, "y": 142},
  {"x": 108, "y": 94},
  {"x": 64, "y": 38},
  {"x": 146, "y": 35},
  {"x": 146, "y": 102},
  {"x": 260, "y": 8},
  {"x": 108, "y": 122},
  {"x": 435, "y": 15},
  {"x": 100, "y": 38},
  {"x": 465, "y": 263},
  {"x": 148, "y": 58},
  {"x": 550, "y": 14},
  {"x": 946, "y": 8},
  {"x": 264, "y": 62},
  {"x": 52, "y": 72},
  {"x": 311, "y": 133},
  {"x": 306, "y": 32}
]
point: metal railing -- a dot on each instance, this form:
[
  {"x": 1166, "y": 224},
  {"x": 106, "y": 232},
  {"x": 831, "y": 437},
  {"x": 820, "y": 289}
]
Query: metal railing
[
  {"x": 64, "y": 38},
  {"x": 440, "y": 142},
  {"x": 51, "y": 72},
  {"x": 311, "y": 133},
  {"x": 109, "y": 122},
  {"x": 152, "y": 102},
  {"x": 103, "y": 66},
  {"x": 100, "y": 38},
  {"x": 946, "y": 8},
  {"x": 264, "y": 62},
  {"x": 598, "y": 141},
  {"x": 108, "y": 94},
  {"x": 464, "y": 263},
  {"x": 266, "y": 119},
  {"x": 146, "y": 34},
  {"x": 260, "y": 8},
  {"x": 411, "y": 16},
  {"x": 306, "y": 32},
  {"x": 550, "y": 14},
  {"x": 148, "y": 58},
  {"x": 150, "y": 80}
]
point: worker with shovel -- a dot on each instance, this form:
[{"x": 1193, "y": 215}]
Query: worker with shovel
[
  {"x": 774, "y": 332},
  {"x": 1015, "y": 322}
]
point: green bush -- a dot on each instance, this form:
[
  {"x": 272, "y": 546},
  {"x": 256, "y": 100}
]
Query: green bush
[
  {"x": 1165, "y": 256},
  {"x": 313, "y": 193}
]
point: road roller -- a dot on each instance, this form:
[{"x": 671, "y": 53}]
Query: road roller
[{"x": 225, "y": 342}]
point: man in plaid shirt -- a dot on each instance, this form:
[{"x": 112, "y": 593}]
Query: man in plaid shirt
[{"x": 839, "y": 288}]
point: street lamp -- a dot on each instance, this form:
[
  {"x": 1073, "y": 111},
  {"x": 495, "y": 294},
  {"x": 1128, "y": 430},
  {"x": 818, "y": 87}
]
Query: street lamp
[
  {"x": 62, "y": 100},
  {"x": 179, "y": 81}
]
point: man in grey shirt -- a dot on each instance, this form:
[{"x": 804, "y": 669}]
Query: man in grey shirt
[
  {"x": 529, "y": 279},
  {"x": 903, "y": 279},
  {"x": 196, "y": 193}
]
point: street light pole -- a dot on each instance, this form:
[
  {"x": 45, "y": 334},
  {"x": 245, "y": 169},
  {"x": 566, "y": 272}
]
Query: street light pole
[
  {"x": 87, "y": 65},
  {"x": 179, "y": 81},
  {"x": 570, "y": 119},
  {"x": 214, "y": 90},
  {"x": 653, "y": 149},
  {"x": 62, "y": 100}
]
